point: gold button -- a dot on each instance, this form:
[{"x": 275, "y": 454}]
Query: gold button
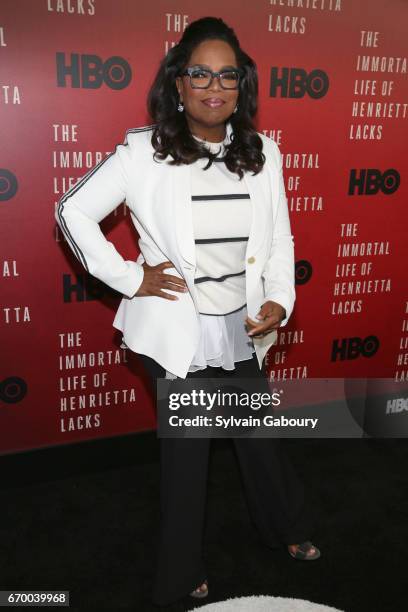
[{"x": 251, "y": 259}]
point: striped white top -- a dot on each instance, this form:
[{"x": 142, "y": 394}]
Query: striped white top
[{"x": 221, "y": 212}]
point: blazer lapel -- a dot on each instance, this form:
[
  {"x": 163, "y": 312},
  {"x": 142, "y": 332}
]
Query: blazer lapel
[
  {"x": 259, "y": 192},
  {"x": 183, "y": 216}
]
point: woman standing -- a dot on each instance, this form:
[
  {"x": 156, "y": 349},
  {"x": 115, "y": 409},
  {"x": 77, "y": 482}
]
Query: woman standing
[{"x": 207, "y": 198}]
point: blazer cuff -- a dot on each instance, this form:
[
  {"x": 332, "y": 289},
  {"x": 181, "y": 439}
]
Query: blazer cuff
[
  {"x": 135, "y": 279},
  {"x": 127, "y": 281}
]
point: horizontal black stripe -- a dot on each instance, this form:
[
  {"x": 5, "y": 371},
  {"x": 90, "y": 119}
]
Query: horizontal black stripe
[
  {"x": 211, "y": 314},
  {"x": 222, "y": 196},
  {"x": 211, "y": 240},
  {"x": 219, "y": 279}
]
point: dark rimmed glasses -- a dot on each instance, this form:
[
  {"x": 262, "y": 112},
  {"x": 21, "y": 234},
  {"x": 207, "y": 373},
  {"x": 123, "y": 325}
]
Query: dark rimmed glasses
[{"x": 201, "y": 78}]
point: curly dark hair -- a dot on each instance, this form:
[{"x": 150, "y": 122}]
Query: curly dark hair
[{"x": 171, "y": 134}]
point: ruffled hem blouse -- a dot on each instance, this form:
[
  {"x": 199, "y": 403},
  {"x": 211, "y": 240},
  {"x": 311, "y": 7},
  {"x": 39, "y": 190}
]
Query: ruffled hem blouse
[{"x": 223, "y": 340}]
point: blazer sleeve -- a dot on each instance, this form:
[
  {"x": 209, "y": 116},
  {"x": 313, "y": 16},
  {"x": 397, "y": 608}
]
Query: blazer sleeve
[
  {"x": 80, "y": 210},
  {"x": 279, "y": 270}
]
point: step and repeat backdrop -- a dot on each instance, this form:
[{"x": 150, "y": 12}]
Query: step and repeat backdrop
[{"x": 332, "y": 93}]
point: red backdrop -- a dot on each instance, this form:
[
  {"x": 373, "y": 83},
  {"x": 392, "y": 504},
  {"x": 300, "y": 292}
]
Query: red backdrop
[{"x": 332, "y": 93}]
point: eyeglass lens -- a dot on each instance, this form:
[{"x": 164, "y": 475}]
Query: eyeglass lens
[{"x": 201, "y": 78}]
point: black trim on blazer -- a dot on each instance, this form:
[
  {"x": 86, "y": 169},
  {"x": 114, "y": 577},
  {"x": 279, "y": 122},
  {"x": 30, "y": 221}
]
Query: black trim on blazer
[{"x": 78, "y": 185}]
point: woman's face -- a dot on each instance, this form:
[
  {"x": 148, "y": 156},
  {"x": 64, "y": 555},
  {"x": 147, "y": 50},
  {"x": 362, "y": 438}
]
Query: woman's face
[{"x": 215, "y": 55}]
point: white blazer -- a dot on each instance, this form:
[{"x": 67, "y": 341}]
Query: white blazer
[{"x": 159, "y": 199}]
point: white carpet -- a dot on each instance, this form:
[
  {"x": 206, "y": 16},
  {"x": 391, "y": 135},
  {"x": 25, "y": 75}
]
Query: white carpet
[{"x": 264, "y": 603}]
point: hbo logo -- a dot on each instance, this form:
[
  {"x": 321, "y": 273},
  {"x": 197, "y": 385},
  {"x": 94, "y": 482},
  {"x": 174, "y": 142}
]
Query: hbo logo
[
  {"x": 90, "y": 72},
  {"x": 351, "y": 348},
  {"x": 370, "y": 181},
  {"x": 296, "y": 82}
]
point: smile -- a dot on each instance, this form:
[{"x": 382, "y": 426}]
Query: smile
[{"x": 214, "y": 102}]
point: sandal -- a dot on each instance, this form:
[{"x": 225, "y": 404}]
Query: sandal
[
  {"x": 200, "y": 594},
  {"x": 303, "y": 549}
]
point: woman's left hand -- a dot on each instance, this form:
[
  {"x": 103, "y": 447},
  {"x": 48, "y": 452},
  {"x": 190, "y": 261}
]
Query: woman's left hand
[{"x": 270, "y": 317}]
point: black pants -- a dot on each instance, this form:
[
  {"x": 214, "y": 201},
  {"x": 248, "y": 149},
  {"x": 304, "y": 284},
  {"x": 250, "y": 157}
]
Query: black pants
[{"x": 274, "y": 493}]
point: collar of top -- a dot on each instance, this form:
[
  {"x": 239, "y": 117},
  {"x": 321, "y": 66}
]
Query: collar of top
[{"x": 215, "y": 146}]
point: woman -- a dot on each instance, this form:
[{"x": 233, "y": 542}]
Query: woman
[{"x": 206, "y": 195}]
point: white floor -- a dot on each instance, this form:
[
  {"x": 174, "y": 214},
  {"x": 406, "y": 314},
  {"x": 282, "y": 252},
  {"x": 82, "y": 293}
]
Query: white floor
[{"x": 264, "y": 603}]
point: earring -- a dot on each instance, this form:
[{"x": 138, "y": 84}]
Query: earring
[
  {"x": 180, "y": 107},
  {"x": 235, "y": 109}
]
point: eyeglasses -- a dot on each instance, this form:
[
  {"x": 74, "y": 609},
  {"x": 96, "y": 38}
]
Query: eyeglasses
[{"x": 201, "y": 78}]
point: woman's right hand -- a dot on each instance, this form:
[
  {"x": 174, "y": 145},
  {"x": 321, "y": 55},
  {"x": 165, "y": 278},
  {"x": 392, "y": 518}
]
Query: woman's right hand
[{"x": 155, "y": 280}]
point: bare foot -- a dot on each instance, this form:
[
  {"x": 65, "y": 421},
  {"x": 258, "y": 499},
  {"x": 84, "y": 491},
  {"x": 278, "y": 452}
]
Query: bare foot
[
  {"x": 293, "y": 548},
  {"x": 201, "y": 589}
]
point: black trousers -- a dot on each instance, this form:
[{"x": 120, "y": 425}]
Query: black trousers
[{"x": 274, "y": 493}]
